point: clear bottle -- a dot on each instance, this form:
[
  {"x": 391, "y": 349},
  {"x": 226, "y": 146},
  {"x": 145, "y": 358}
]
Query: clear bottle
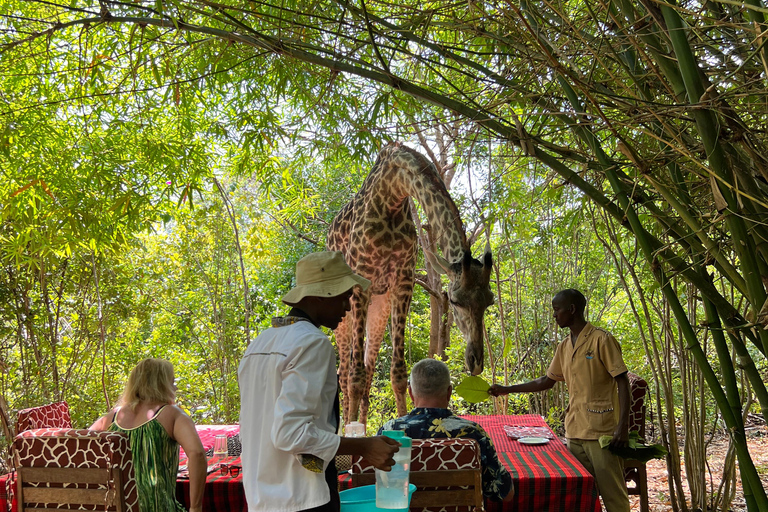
[{"x": 392, "y": 486}]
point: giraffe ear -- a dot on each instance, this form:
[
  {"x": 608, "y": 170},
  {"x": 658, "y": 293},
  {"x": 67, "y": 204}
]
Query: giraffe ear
[{"x": 439, "y": 263}]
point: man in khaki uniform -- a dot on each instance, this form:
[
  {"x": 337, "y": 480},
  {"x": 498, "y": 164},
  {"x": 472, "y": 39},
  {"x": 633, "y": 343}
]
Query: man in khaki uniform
[{"x": 590, "y": 363}]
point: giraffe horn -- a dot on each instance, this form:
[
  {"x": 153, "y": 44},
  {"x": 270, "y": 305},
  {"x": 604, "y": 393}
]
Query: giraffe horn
[
  {"x": 439, "y": 263},
  {"x": 466, "y": 263},
  {"x": 487, "y": 265}
]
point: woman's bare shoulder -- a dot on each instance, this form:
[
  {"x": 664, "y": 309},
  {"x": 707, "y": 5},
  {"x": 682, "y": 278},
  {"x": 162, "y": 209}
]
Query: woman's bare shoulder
[
  {"x": 104, "y": 420},
  {"x": 174, "y": 411}
]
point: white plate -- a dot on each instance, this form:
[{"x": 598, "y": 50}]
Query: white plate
[{"x": 533, "y": 440}]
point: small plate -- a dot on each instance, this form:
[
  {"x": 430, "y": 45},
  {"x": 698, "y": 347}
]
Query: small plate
[{"x": 533, "y": 440}]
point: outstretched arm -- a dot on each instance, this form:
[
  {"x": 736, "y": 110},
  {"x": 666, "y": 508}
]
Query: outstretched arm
[{"x": 543, "y": 383}]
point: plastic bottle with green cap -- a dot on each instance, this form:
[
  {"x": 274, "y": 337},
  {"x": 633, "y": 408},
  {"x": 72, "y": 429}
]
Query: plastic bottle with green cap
[{"x": 392, "y": 486}]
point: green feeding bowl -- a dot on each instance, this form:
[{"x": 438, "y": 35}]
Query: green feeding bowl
[{"x": 363, "y": 499}]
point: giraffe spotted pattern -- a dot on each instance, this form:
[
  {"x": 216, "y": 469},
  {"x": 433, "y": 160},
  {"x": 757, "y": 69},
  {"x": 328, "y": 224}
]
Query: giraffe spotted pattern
[
  {"x": 71, "y": 448},
  {"x": 44, "y": 416},
  {"x": 435, "y": 455},
  {"x": 376, "y": 233}
]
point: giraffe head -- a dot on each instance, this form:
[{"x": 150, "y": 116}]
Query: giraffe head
[{"x": 470, "y": 295}]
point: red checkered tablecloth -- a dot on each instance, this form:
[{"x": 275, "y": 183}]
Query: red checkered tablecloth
[
  {"x": 208, "y": 433},
  {"x": 547, "y": 477},
  {"x": 494, "y": 426},
  {"x": 222, "y": 492}
]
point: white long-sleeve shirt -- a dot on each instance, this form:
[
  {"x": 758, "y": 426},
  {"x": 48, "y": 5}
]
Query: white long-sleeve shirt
[{"x": 288, "y": 385}]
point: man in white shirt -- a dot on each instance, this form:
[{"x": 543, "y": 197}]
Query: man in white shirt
[{"x": 289, "y": 409}]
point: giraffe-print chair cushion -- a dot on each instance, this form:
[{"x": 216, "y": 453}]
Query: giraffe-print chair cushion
[
  {"x": 434, "y": 455},
  {"x": 55, "y": 415},
  {"x": 71, "y": 448},
  {"x": 635, "y": 472},
  {"x": 638, "y": 388}
]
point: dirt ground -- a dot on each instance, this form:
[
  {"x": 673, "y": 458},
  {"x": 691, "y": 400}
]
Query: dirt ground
[{"x": 658, "y": 486}]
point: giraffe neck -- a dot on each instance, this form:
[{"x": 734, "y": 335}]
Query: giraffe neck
[{"x": 413, "y": 175}]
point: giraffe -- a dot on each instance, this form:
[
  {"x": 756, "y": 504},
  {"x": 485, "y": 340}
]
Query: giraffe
[{"x": 376, "y": 234}]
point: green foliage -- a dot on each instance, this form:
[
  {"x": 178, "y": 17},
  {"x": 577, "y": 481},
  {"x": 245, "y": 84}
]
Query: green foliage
[
  {"x": 636, "y": 449},
  {"x": 599, "y": 162}
]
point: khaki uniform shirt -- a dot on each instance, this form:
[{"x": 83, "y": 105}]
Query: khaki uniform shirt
[{"x": 588, "y": 370}]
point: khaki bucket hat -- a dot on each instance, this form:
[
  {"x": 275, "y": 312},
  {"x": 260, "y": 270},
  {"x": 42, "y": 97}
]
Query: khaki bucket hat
[{"x": 323, "y": 274}]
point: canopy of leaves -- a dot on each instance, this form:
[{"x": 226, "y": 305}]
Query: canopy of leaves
[{"x": 115, "y": 113}]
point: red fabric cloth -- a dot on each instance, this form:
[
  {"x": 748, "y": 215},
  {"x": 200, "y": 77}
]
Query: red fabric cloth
[
  {"x": 547, "y": 478},
  {"x": 55, "y": 415},
  {"x": 222, "y": 492},
  {"x": 208, "y": 433},
  {"x": 494, "y": 426}
]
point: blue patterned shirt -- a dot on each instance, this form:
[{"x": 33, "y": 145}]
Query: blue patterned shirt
[{"x": 434, "y": 423}]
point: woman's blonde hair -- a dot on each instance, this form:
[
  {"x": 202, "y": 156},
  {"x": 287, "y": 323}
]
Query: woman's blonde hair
[{"x": 150, "y": 381}]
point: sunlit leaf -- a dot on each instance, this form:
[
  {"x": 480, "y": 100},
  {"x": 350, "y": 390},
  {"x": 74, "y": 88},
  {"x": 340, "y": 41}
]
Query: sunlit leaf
[{"x": 473, "y": 389}]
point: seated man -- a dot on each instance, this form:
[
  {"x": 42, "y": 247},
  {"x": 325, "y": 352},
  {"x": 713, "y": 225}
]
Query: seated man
[{"x": 430, "y": 390}]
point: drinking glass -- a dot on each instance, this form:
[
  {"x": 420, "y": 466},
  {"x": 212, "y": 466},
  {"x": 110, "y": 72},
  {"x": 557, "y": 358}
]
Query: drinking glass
[
  {"x": 354, "y": 429},
  {"x": 220, "y": 445}
]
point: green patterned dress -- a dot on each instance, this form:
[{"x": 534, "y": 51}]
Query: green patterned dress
[{"x": 155, "y": 464}]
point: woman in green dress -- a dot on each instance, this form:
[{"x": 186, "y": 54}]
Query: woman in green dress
[{"x": 156, "y": 427}]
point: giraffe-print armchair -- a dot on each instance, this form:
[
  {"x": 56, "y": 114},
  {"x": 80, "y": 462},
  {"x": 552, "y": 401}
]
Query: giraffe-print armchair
[
  {"x": 55, "y": 415},
  {"x": 634, "y": 471},
  {"x": 75, "y": 470},
  {"x": 446, "y": 472}
]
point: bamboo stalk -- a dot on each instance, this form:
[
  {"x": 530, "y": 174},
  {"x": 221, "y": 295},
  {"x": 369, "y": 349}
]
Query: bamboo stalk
[
  {"x": 737, "y": 433},
  {"x": 706, "y": 123},
  {"x": 749, "y": 474}
]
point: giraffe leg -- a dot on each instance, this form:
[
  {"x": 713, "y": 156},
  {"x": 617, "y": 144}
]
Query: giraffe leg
[
  {"x": 343, "y": 335},
  {"x": 378, "y": 317},
  {"x": 356, "y": 384},
  {"x": 398, "y": 373}
]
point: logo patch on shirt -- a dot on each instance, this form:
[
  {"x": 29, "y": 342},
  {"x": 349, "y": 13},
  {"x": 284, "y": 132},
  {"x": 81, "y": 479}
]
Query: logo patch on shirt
[{"x": 590, "y": 354}]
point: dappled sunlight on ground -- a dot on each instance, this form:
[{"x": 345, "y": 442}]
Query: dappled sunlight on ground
[{"x": 658, "y": 486}]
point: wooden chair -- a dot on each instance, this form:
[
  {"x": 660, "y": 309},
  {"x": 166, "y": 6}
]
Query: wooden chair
[
  {"x": 68, "y": 469},
  {"x": 446, "y": 472},
  {"x": 55, "y": 415},
  {"x": 634, "y": 470}
]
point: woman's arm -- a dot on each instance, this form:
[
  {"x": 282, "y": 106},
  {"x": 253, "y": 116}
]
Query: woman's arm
[
  {"x": 185, "y": 434},
  {"x": 103, "y": 422}
]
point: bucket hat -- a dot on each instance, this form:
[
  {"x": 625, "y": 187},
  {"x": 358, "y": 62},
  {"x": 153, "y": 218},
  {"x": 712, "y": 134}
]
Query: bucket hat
[{"x": 323, "y": 274}]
